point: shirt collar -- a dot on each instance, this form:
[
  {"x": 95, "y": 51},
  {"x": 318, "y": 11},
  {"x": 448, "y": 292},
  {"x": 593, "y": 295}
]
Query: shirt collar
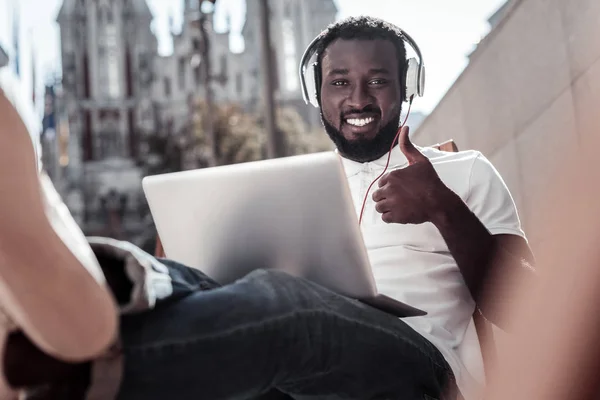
[{"x": 397, "y": 160}]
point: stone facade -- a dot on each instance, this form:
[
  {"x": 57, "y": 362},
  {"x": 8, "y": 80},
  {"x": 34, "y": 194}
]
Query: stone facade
[{"x": 108, "y": 56}]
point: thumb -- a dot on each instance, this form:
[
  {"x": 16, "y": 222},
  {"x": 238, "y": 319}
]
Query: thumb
[{"x": 413, "y": 155}]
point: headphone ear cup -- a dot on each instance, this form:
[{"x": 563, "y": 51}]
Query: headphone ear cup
[
  {"x": 412, "y": 78},
  {"x": 421, "y": 87},
  {"x": 317, "y": 82}
]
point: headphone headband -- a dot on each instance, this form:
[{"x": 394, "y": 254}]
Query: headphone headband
[{"x": 415, "y": 70}]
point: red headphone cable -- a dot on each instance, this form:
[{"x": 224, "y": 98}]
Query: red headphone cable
[{"x": 362, "y": 209}]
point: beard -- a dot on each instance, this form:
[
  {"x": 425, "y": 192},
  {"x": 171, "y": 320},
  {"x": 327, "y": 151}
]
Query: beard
[{"x": 363, "y": 150}]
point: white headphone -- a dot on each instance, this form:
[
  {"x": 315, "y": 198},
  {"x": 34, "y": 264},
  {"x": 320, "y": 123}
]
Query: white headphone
[{"x": 415, "y": 72}]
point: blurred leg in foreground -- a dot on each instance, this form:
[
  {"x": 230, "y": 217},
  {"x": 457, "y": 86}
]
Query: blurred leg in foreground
[{"x": 54, "y": 293}]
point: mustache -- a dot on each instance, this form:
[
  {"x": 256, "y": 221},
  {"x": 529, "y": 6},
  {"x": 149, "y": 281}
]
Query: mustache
[{"x": 365, "y": 110}]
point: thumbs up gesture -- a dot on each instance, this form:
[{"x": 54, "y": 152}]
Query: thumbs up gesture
[{"x": 412, "y": 195}]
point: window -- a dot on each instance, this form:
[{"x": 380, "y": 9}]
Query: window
[
  {"x": 196, "y": 44},
  {"x": 114, "y": 86},
  {"x": 181, "y": 73},
  {"x": 289, "y": 55},
  {"x": 105, "y": 13},
  {"x": 239, "y": 83},
  {"x": 87, "y": 85},
  {"x": 198, "y": 75},
  {"x": 110, "y": 18},
  {"x": 224, "y": 64},
  {"x": 167, "y": 86},
  {"x": 108, "y": 58}
]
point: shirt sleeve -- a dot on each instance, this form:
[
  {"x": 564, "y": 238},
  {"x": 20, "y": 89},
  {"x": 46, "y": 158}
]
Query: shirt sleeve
[{"x": 490, "y": 199}]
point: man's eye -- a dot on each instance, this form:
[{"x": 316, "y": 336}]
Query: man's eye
[
  {"x": 378, "y": 82},
  {"x": 339, "y": 83}
]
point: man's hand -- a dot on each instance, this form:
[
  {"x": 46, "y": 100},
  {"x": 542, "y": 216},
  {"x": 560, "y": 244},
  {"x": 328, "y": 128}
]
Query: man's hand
[{"x": 411, "y": 195}]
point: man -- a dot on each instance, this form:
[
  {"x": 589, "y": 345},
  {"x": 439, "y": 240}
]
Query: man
[
  {"x": 440, "y": 222},
  {"x": 435, "y": 229}
]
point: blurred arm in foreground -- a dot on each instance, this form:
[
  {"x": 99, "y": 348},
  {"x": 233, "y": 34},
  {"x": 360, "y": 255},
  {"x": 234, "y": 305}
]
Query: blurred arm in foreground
[{"x": 554, "y": 350}]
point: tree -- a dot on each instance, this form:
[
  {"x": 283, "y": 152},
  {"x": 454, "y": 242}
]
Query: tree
[
  {"x": 298, "y": 138},
  {"x": 162, "y": 155},
  {"x": 241, "y": 137}
]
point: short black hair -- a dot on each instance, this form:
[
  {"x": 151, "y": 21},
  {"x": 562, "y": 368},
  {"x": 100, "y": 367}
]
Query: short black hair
[{"x": 365, "y": 28}]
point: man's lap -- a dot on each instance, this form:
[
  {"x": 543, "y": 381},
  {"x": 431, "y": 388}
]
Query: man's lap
[
  {"x": 273, "y": 330},
  {"x": 268, "y": 330}
]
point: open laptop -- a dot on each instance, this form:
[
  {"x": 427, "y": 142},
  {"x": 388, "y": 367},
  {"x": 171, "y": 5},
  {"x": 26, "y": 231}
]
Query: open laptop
[{"x": 294, "y": 214}]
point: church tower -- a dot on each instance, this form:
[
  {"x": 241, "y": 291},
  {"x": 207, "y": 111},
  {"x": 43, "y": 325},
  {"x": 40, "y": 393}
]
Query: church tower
[{"x": 108, "y": 54}]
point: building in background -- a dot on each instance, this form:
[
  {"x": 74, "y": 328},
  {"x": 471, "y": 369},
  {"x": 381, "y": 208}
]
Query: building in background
[
  {"x": 497, "y": 17},
  {"x": 494, "y": 20},
  {"x": 294, "y": 24},
  {"x": 236, "y": 77},
  {"x": 108, "y": 55},
  {"x": 116, "y": 90}
]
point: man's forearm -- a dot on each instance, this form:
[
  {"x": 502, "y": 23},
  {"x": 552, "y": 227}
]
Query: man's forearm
[
  {"x": 468, "y": 240},
  {"x": 483, "y": 261}
]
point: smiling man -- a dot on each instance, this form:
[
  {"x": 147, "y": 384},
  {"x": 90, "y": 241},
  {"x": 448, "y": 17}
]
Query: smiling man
[
  {"x": 361, "y": 96},
  {"x": 442, "y": 230},
  {"x": 437, "y": 228}
]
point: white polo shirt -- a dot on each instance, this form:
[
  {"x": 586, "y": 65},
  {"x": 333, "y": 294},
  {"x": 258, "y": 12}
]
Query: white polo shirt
[{"x": 413, "y": 264}]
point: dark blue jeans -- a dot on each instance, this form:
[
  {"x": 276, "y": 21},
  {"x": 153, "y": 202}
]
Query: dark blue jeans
[{"x": 273, "y": 331}]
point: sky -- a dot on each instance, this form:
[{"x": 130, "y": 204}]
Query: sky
[{"x": 445, "y": 30}]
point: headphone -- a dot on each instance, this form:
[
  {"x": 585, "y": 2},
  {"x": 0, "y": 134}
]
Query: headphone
[{"x": 414, "y": 78}]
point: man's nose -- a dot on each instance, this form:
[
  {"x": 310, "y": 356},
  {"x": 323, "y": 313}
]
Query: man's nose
[{"x": 360, "y": 97}]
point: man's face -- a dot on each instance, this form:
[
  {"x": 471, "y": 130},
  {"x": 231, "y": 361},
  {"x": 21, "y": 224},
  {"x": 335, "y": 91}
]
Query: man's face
[{"x": 361, "y": 97}]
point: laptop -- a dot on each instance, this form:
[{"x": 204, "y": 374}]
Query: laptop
[{"x": 293, "y": 214}]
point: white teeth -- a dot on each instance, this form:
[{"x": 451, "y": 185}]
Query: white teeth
[{"x": 360, "y": 121}]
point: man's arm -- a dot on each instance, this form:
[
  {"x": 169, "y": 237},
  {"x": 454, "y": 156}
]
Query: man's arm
[
  {"x": 487, "y": 262},
  {"x": 43, "y": 286}
]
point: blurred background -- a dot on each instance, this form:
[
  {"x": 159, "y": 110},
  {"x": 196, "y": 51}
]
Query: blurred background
[{"x": 128, "y": 88}]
